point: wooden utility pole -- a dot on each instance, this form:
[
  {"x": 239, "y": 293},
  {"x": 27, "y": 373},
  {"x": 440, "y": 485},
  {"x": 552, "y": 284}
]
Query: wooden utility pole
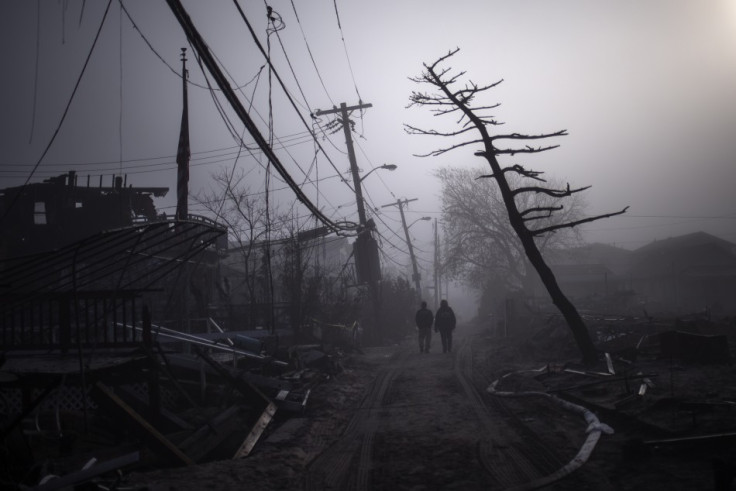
[
  {"x": 415, "y": 271},
  {"x": 183, "y": 152},
  {"x": 365, "y": 248},
  {"x": 437, "y": 277},
  {"x": 344, "y": 110}
]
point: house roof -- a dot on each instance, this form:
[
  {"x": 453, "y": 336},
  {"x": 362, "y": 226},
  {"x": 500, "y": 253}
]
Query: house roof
[
  {"x": 696, "y": 254},
  {"x": 694, "y": 239}
]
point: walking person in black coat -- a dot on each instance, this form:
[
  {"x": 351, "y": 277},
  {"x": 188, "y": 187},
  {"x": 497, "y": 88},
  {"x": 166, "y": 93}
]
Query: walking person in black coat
[
  {"x": 444, "y": 322},
  {"x": 423, "y": 320}
]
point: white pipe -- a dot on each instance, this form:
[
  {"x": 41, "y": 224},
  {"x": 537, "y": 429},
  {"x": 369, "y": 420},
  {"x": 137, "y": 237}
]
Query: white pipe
[{"x": 594, "y": 430}]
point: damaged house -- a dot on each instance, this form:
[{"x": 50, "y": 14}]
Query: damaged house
[{"x": 103, "y": 365}]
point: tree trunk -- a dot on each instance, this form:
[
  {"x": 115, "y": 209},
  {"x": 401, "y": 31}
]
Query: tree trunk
[
  {"x": 566, "y": 308},
  {"x": 461, "y": 100}
]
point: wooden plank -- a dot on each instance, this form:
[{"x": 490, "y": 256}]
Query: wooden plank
[
  {"x": 160, "y": 441},
  {"x": 256, "y": 431},
  {"x": 250, "y": 392},
  {"x": 609, "y": 364}
]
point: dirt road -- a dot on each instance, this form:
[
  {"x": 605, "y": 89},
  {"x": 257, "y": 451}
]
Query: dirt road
[
  {"x": 400, "y": 419},
  {"x": 428, "y": 423}
]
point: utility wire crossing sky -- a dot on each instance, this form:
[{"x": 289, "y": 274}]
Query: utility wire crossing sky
[{"x": 645, "y": 90}]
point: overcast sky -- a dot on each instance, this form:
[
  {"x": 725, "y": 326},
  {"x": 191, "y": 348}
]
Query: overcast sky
[{"x": 646, "y": 89}]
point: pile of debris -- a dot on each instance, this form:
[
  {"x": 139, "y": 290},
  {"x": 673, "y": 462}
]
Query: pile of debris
[
  {"x": 672, "y": 378},
  {"x": 184, "y": 399}
]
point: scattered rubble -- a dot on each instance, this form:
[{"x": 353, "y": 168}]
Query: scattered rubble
[
  {"x": 668, "y": 379},
  {"x": 178, "y": 400}
]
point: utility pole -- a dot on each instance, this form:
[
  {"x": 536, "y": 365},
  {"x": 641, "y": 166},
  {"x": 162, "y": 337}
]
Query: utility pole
[
  {"x": 344, "y": 119},
  {"x": 183, "y": 152},
  {"x": 365, "y": 248},
  {"x": 415, "y": 271},
  {"x": 437, "y": 277}
]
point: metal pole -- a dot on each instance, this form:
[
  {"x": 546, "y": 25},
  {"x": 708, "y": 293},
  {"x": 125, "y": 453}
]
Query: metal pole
[
  {"x": 437, "y": 282},
  {"x": 363, "y": 252},
  {"x": 415, "y": 270},
  {"x": 415, "y": 275},
  {"x": 353, "y": 165},
  {"x": 343, "y": 110},
  {"x": 183, "y": 152}
]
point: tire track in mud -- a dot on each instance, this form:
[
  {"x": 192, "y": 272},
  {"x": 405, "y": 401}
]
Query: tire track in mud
[
  {"x": 354, "y": 449},
  {"x": 511, "y": 453}
]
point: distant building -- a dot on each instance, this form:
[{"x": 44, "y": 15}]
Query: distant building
[
  {"x": 593, "y": 276},
  {"x": 45, "y": 216},
  {"x": 680, "y": 275},
  {"x": 686, "y": 274}
]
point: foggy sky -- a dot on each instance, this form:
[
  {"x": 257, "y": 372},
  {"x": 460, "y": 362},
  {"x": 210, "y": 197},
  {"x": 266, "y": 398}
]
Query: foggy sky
[{"x": 646, "y": 89}]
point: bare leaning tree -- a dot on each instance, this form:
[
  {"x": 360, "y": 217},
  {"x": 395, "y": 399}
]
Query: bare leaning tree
[{"x": 448, "y": 99}]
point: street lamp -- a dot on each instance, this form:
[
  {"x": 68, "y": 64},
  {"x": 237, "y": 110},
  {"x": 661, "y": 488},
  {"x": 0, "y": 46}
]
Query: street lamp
[
  {"x": 384, "y": 166},
  {"x": 359, "y": 192},
  {"x": 418, "y": 220}
]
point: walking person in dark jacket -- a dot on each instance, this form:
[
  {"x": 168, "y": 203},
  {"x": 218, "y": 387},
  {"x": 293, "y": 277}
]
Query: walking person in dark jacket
[
  {"x": 444, "y": 322},
  {"x": 423, "y": 320}
]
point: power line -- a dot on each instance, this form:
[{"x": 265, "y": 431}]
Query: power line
[
  {"x": 281, "y": 82},
  {"x": 309, "y": 50},
  {"x": 66, "y": 111},
  {"x": 195, "y": 38},
  {"x": 155, "y": 167},
  {"x": 173, "y": 70},
  {"x": 272, "y": 70},
  {"x": 294, "y": 139},
  {"x": 342, "y": 37}
]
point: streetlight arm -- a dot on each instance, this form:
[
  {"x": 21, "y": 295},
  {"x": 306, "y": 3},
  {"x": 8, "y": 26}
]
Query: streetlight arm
[
  {"x": 418, "y": 220},
  {"x": 384, "y": 166}
]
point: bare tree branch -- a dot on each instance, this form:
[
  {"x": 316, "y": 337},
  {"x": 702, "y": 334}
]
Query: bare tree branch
[
  {"x": 472, "y": 88},
  {"x": 531, "y": 174},
  {"x": 483, "y": 108},
  {"x": 441, "y": 151},
  {"x": 576, "y": 223},
  {"x": 540, "y": 209},
  {"x": 557, "y": 193},
  {"x": 442, "y": 79},
  {"x": 412, "y": 130},
  {"x": 514, "y": 151},
  {"x": 518, "y": 136}
]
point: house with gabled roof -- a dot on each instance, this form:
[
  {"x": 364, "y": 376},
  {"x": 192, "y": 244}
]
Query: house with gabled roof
[
  {"x": 589, "y": 273},
  {"x": 686, "y": 274}
]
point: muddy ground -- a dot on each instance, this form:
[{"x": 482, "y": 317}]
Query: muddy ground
[{"x": 433, "y": 425}]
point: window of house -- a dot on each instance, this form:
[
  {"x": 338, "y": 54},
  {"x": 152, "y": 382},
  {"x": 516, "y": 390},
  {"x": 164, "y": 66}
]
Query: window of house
[{"x": 39, "y": 213}]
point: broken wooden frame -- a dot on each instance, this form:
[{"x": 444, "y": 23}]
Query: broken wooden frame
[
  {"x": 251, "y": 393},
  {"x": 77, "y": 295}
]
